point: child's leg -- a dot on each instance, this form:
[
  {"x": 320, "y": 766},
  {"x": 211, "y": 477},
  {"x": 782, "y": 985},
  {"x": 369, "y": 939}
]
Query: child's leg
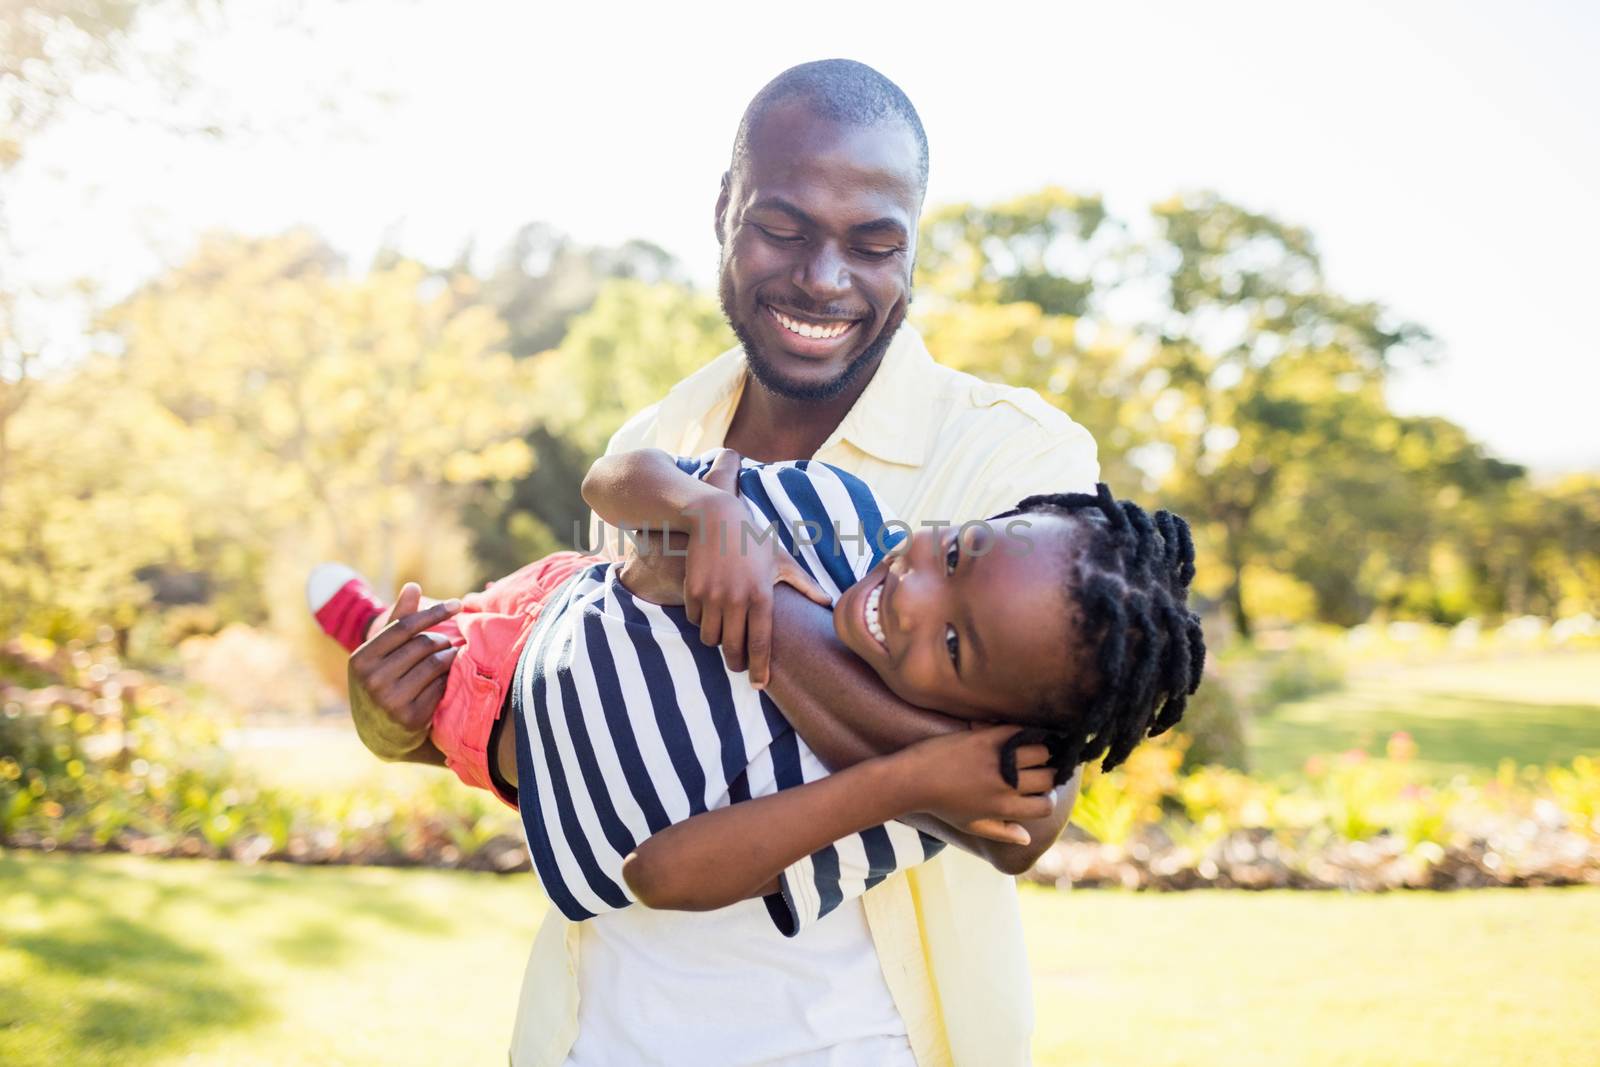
[{"x": 488, "y": 632}]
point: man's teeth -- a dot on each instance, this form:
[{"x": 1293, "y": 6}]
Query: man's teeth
[
  {"x": 804, "y": 329},
  {"x": 874, "y": 627}
]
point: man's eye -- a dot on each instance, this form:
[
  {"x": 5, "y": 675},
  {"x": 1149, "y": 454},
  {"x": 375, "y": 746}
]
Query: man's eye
[
  {"x": 781, "y": 238},
  {"x": 877, "y": 253},
  {"x": 952, "y": 556},
  {"x": 953, "y": 644}
]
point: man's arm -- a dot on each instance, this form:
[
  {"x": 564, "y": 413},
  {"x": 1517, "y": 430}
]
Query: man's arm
[
  {"x": 846, "y": 714},
  {"x": 844, "y": 711}
]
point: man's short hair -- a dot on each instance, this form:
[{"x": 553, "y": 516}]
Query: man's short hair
[{"x": 840, "y": 90}]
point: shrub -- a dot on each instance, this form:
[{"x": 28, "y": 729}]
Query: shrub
[
  {"x": 1214, "y": 726},
  {"x": 1296, "y": 674},
  {"x": 97, "y": 757}
]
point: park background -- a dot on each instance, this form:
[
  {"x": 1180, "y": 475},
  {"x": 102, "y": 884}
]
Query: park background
[{"x": 282, "y": 282}]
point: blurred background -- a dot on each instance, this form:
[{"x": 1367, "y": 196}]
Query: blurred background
[{"x": 285, "y": 282}]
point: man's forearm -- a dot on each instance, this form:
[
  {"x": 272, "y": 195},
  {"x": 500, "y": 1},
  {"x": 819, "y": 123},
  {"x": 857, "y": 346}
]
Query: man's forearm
[
  {"x": 846, "y": 714},
  {"x": 385, "y": 738}
]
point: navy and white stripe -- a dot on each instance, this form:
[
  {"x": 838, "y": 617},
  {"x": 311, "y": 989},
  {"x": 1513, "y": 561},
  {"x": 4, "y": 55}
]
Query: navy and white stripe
[{"x": 626, "y": 723}]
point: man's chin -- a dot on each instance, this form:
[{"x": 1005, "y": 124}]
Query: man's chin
[{"x": 775, "y": 376}]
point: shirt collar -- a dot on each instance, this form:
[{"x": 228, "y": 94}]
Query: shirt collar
[{"x": 887, "y": 421}]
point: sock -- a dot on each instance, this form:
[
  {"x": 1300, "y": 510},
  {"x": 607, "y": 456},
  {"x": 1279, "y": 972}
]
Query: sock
[{"x": 342, "y": 603}]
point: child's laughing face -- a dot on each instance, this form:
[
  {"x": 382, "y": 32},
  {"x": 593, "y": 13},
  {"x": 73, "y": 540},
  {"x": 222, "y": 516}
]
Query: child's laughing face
[{"x": 974, "y": 623}]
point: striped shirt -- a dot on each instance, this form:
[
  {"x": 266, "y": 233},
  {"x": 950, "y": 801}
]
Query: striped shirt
[{"x": 627, "y": 723}]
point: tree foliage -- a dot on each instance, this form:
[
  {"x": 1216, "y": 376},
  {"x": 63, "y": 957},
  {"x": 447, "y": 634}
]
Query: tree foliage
[
  {"x": 1206, "y": 352},
  {"x": 262, "y": 405},
  {"x": 258, "y": 402}
]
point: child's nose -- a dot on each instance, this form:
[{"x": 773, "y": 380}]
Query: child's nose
[{"x": 910, "y": 599}]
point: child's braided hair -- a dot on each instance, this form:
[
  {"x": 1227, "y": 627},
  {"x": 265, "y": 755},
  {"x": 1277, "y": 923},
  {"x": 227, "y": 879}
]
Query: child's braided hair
[{"x": 1130, "y": 581}]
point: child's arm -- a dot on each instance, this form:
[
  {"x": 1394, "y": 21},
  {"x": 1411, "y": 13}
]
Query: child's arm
[
  {"x": 735, "y": 853},
  {"x": 645, "y": 489},
  {"x": 727, "y": 591}
]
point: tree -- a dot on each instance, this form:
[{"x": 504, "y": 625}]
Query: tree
[
  {"x": 1217, "y": 369},
  {"x": 1268, "y": 373},
  {"x": 1045, "y": 249},
  {"x": 1011, "y": 292},
  {"x": 543, "y": 279},
  {"x": 261, "y": 408},
  {"x": 624, "y": 353}
]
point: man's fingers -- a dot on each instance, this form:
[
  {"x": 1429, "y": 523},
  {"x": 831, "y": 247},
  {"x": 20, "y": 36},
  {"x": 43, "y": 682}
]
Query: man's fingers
[
  {"x": 711, "y": 627},
  {"x": 1008, "y": 833},
  {"x": 1037, "y": 780},
  {"x": 425, "y": 670},
  {"x": 758, "y": 645},
  {"x": 1032, "y": 756},
  {"x": 1024, "y": 808},
  {"x": 428, "y": 700},
  {"x": 724, "y": 472},
  {"x": 409, "y": 599},
  {"x": 407, "y": 692},
  {"x": 734, "y": 621},
  {"x": 393, "y": 666},
  {"x": 405, "y": 627},
  {"x": 791, "y": 574}
]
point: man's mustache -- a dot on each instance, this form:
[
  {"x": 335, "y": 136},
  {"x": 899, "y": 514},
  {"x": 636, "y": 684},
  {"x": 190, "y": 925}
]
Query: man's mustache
[{"x": 804, "y": 305}]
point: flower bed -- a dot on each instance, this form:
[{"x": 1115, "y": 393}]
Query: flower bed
[
  {"x": 1351, "y": 822},
  {"x": 94, "y": 756}
]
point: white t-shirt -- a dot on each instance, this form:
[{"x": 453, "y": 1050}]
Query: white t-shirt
[
  {"x": 627, "y": 723},
  {"x": 714, "y": 989}
]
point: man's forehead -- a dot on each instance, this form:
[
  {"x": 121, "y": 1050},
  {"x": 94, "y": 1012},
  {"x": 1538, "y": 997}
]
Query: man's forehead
[{"x": 798, "y": 155}]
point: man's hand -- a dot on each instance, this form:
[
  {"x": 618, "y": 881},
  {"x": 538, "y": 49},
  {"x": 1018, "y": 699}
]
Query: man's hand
[
  {"x": 959, "y": 777},
  {"x": 727, "y": 591},
  {"x": 397, "y": 678}
]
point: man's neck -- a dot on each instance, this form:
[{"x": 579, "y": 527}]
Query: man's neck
[{"x": 771, "y": 428}]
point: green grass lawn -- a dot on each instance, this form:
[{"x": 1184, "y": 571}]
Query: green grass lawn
[
  {"x": 1537, "y": 709},
  {"x": 115, "y": 960}
]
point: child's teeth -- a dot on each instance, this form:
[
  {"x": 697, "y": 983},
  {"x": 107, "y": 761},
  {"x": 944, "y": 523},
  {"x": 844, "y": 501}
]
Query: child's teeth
[{"x": 873, "y": 626}]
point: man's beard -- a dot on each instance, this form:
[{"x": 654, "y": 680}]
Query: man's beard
[{"x": 767, "y": 373}]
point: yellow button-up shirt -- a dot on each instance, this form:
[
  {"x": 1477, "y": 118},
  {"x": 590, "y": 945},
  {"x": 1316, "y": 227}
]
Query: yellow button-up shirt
[{"x": 936, "y": 445}]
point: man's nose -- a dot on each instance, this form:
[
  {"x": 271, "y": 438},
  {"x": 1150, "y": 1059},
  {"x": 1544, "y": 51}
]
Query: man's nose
[{"x": 825, "y": 274}]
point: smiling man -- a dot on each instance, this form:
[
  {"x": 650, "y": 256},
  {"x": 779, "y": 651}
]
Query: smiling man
[{"x": 817, "y": 219}]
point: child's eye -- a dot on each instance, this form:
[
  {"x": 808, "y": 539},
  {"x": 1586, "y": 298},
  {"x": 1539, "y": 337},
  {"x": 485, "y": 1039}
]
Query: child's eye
[
  {"x": 952, "y": 555},
  {"x": 953, "y": 644}
]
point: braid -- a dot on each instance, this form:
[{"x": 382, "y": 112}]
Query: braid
[{"x": 1131, "y": 584}]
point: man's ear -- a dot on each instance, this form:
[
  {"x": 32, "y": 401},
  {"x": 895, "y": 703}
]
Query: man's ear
[{"x": 722, "y": 207}]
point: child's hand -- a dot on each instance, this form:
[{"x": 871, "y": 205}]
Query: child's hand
[
  {"x": 728, "y": 578},
  {"x": 958, "y": 774}
]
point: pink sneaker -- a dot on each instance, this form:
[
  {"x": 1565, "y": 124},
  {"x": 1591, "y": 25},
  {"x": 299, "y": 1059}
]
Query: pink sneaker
[{"x": 342, "y": 603}]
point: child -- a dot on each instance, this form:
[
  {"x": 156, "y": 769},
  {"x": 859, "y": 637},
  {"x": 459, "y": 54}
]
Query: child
[{"x": 649, "y": 771}]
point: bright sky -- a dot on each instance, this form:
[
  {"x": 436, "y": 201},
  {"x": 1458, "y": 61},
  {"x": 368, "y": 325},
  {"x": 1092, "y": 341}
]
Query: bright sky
[{"x": 1446, "y": 155}]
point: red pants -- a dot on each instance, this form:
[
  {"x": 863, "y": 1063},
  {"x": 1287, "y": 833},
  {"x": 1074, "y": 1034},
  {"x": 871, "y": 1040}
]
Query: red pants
[{"x": 491, "y": 629}]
